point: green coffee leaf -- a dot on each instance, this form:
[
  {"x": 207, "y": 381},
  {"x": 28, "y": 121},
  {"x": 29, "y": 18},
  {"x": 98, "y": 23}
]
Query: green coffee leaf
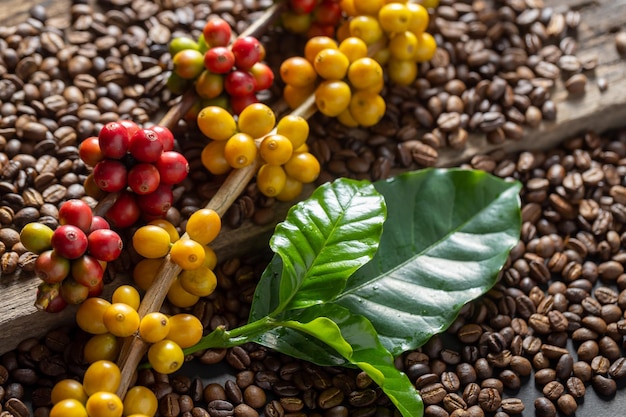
[
  {"x": 322, "y": 241},
  {"x": 446, "y": 238}
]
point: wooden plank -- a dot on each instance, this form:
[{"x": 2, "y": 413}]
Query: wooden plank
[
  {"x": 15, "y": 11},
  {"x": 596, "y": 110}
]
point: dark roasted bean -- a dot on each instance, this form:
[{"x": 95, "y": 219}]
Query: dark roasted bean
[{"x": 544, "y": 407}]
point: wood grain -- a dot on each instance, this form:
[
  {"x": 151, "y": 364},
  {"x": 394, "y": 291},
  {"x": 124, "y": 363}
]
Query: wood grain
[
  {"x": 15, "y": 11},
  {"x": 599, "y": 111}
]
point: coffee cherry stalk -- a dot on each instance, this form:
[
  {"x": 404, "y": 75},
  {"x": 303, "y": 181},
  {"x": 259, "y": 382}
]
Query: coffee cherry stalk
[{"x": 221, "y": 72}]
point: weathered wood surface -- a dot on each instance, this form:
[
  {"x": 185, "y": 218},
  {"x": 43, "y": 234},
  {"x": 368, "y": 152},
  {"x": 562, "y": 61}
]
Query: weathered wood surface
[{"x": 599, "y": 111}]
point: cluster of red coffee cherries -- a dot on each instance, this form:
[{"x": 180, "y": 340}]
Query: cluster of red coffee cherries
[
  {"x": 72, "y": 258},
  {"x": 312, "y": 17},
  {"x": 140, "y": 164},
  {"x": 228, "y": 74}
]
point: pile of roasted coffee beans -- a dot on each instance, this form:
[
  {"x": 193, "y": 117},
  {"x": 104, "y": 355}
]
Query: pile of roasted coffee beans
[{"x": 555, "y": 319}]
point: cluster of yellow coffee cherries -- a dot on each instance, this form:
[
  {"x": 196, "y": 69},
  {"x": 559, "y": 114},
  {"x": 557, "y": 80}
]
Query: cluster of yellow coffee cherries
[
  {"x": 192, "y": 253},
  {"x": 347, "y": 75},
  {"x": 286, "y": 163},
  {"x": 350, "y": 83},
  {"x": 96, "y": 395},
  {"x": 397, "y": 33},
  {"x": 108, "y": 322}
]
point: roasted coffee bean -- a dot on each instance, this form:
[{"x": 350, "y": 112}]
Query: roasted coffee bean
[
  {"x": 594, "y": 323},
  {"x": 617, "y": 370},
  {"x": 244, "y": 410},
  {"x": 584, "y": 334},
  {"x": 470, "y": 393},
  {"x": 453, "y": 401},
  {"x": 309, "y": 398},
  {"x": 220, "y": 408},
  {"x": 474, "y": 411},
  {"x": 196, "y": 389},
  {"x": 576, "y": 84},
  {"x": 274, "y": 409},
  {"x": 233, "y": 392},
  {"x": 181, "y": 384},
  {"x": 520, "y": 365},
  {"x": 449, "y": 122},
  {"x": 434, "y": 410},
  {"x": 609, "y": 348},
  {"x": 539, "y": 323},
  {"x": 611, "y": 271},
  {"x": 540, "y": 361},
  {"x": 604, "y": 386},
  {"x": 567, "y": 404},
  {"x": 433, "y": 393},
  {"x": 564, "y": 367},
  {"x": 214, "y": 391},
  {"x": 185, "y": 404},
  {"x": 16, "y": 407},
  {"x": 553, "y": 390},
  {"x": 512, "y": 405},
  {"x": 9, "y": 262},
  {"x": 483, "y": 369},
  {"x": 200, "y": 412},
  {"x": 576, "y": 387},
  {"x": 544, "y": 407},
  {"x": 450, "y": 357},
  {"x": 238, "y": 358},
  {"x": 169, "y": 405},
  {"x": 496, "y": 342},
  {"x": 416, "y": 370},
  {"x": 283, "y": 388},
  {"x": 510, "y": 379},
  {"x": 426, "y": 379},
  {"x": 558, "y": 321},
  {"x": 423, "y": 154},
  {"x": 525, "y": 307},
  {"x": 254, "y": 396},
  {"x": 552, "y": 351},
  {"x": 583, "y": 371},
  {"x": 466, "y": 373},
  {"x": 489, "y": 399},
  {"x": 494, "y": 383},
  {"x": 292, "y": 404},
  {"x": 330, "y": 397},
  {"x": 600, "y": 365},
  {"x": 362, "y": 398},
  {"x": 500, "y": 360},
  {"x": 450, "y": 381},
  {"x": 543, "y": 376}
]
